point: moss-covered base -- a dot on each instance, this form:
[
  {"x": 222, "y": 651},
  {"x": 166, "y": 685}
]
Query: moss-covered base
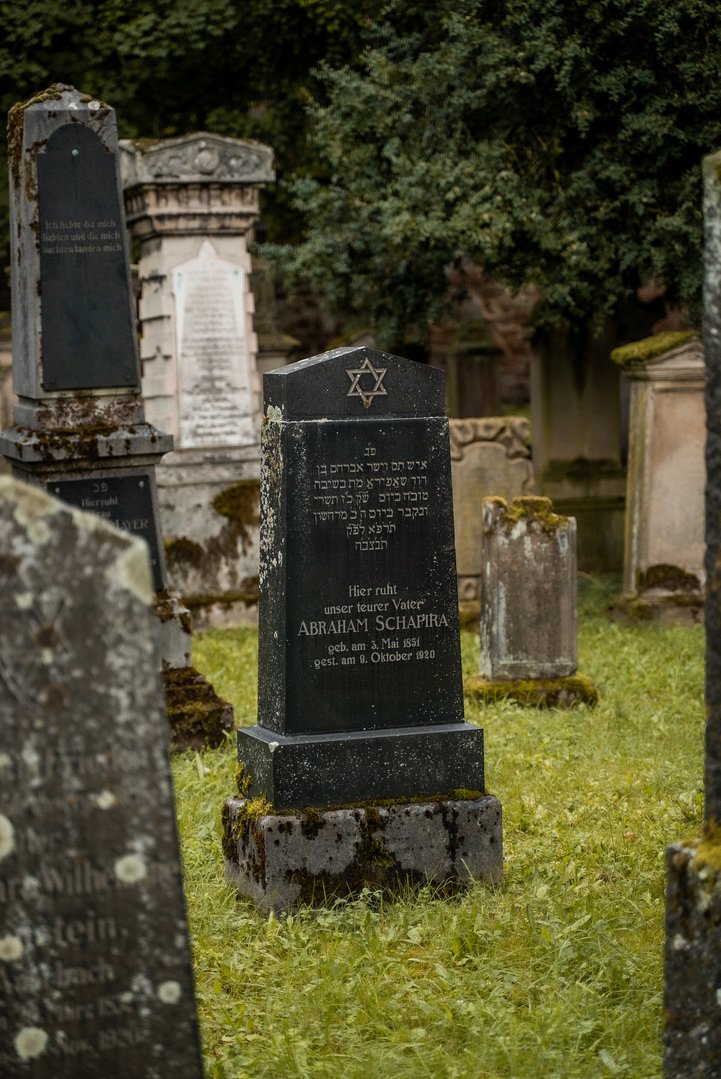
[
  {"x": 283, "y": 860},
  {"x": 197, "y": 716},
  {"x": 669, "y": 608},
  {"x": 534, "y": 692}
]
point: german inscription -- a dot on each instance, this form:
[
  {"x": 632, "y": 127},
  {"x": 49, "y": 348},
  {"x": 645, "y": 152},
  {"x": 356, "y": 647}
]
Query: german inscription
[
  {"x": 87, "y": 322},
  {"x": 95, "y": 973},
  {"x": 126, "y": 501},
  {"x": 215, "y": 406}
]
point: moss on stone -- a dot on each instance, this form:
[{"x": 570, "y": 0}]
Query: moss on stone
[
  {"x": 182, "y": 549},
  {"x": 672, "y": 578},
  {"x": 240, "y": 503},
  {"x": 248, "y": 596},
  {"x": 708, "y": 848},
  {"x": 197, "y": 716},
  {"x": 534, "y": 693},
  {"x": 531, "y": 508},
  {"x": 638, "y": 353}
]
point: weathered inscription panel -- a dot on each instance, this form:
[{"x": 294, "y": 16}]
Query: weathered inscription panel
[
  {"x": 87, "y": 325},
  {"x": 372, "y": 632},
  {"x": 215, "y": 407},
  {"x": 127, "y": 501},
  {"x": 95, "y": 975}
]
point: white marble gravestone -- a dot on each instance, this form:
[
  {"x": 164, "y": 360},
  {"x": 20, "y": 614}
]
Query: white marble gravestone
[
  {"x": 192, "y": 203},
  {"x": 215, "y": 397}
]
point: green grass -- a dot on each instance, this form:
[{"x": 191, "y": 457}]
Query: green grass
[{"x": 557, "y": 973}]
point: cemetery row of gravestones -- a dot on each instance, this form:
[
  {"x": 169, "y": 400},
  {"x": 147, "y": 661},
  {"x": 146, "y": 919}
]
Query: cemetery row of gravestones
[{"x": 360, "y": 694}]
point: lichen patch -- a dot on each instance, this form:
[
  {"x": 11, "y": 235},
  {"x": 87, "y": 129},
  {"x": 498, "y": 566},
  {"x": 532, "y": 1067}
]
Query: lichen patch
[
  {"x": 169, "y": 992},
  {"x": 30, "y": 1042},
  {"x": 7, "y": 837},
  {"x": 11, "y": 949},
  {"x": 130, "y": 868}
]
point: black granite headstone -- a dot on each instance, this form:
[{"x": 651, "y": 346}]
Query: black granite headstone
[
  {"x": 87, "y": 330},
  {"x": 127, "y": 501},
  {"x": 95, "y": 975},
  {"x": 360, "y": 693}
]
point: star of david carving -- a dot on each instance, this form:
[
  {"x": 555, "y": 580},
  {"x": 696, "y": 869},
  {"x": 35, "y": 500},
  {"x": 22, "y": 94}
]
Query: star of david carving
[{"x": 377, "y": 390}]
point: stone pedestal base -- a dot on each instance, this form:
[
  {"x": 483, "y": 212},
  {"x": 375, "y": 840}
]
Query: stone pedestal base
[
  {"x": 692, "y": 999},
  {"x": 668, "y": 608},
  {"x": 331, "y": 769},
  {"x": 282, "y": 860},
  {"x": 534, "y": 692}
]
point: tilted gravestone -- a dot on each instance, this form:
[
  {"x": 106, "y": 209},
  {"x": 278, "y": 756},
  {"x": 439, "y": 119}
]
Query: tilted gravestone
[
  {"x": 360, "y": 696},
  {"x": 95, "y": 975},
  {"x": 692, "y": 998},
  {"x": 79, "y": 424}
]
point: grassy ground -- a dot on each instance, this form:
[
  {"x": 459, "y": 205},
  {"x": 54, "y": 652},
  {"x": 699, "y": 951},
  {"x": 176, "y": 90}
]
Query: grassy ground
[{"x": 557, "y": 973}]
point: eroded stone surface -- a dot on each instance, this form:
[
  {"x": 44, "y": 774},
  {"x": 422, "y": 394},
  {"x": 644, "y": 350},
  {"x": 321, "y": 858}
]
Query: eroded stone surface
[
  {"x": 95, "y": 975},
  {"x": 528, "y": 600},
  {"x": 280, "y": 861}
]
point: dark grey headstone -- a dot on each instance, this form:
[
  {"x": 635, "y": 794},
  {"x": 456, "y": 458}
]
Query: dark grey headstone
[
  {"x": 87, "y": 331},
  {"x": 360, "y": 692},
  {"x": 692, "y": 961},
  {"x": 127, "y": 501},
  {"x": 95, "y": 976}
]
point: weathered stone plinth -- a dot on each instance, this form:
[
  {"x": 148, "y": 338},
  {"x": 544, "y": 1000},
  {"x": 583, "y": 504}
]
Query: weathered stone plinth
[
  {"x": 282, "y": 860},
  {"x": 692, "y": 1003},
  {"x": 533, "y": 692}
]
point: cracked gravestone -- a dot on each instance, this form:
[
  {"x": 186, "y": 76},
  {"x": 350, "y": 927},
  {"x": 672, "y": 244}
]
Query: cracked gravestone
[{"x": 95, "y": 974}]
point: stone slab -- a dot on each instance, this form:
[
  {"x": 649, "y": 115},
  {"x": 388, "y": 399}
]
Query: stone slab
[
  {"x": 534, "y": 692},
  {"x": 282, "y": 860},
  {"x": 327, "y": 769},
  {"x": 95, "y": 974},
  {"x": 87, "y": 328}
]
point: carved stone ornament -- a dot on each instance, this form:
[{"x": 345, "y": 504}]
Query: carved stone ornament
[
  {"x": 196, "y": 158},
  {"x": 513, "y": 432}
]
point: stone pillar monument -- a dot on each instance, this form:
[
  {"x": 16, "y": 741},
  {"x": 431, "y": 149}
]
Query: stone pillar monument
[
  {"x": 664, "y": 547},
  {"x": 192, "y": 203},
  {"x": 692, "y": 1036}
]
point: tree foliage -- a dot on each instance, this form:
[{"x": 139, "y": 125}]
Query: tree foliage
[{"x": 556, "y": 143}]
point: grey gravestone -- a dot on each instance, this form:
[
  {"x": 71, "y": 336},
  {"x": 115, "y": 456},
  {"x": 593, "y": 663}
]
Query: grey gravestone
[
  {"x": 360, "y": 693},
  {"x": 74, "y": 331},
  {"x": 692, "y": 998},
  {"x": 73, "y": 320},
  {"x": 95, "y": 975}
]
